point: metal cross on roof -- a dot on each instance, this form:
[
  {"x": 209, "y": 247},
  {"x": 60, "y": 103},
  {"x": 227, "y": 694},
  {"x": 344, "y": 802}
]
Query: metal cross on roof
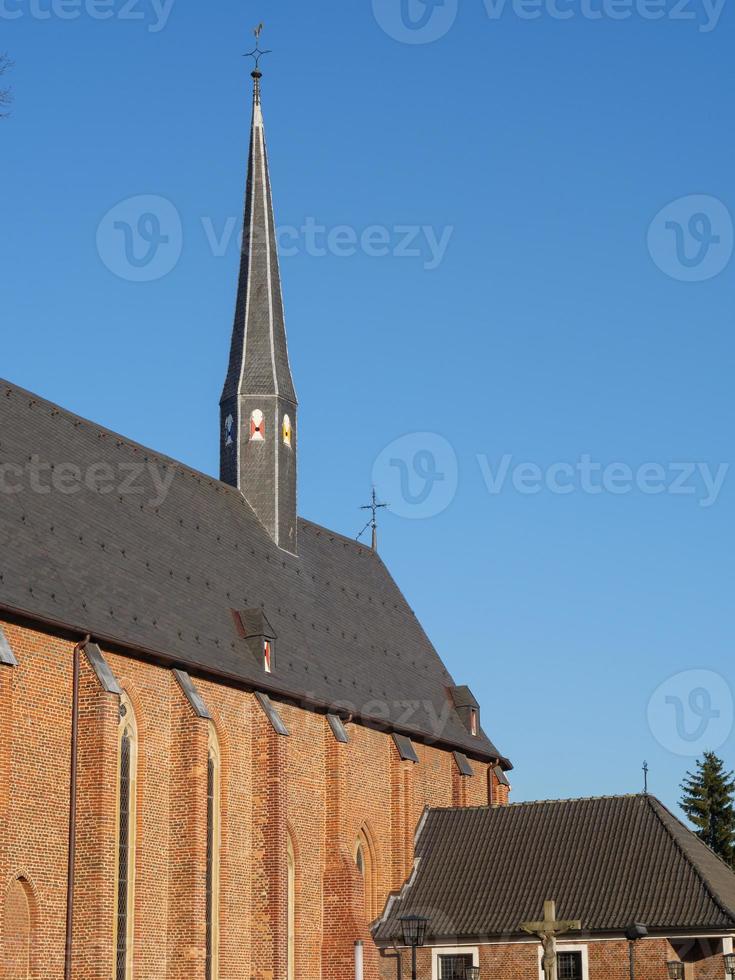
[
  {"x": 547, "y": 930},
  {"x": 373, "y": 506},
  {"x": 257, "y": 53}
]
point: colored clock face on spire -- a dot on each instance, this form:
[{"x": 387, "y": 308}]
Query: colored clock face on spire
[
  {"x": 257, "y": 426},
  {"x": 258, "y": 405}
]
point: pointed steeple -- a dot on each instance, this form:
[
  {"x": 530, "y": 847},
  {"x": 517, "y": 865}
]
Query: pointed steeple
[{"x": 258, "y": 405}]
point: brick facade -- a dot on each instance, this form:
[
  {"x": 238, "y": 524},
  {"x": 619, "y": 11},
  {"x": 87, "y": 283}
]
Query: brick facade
[
  {"x": 308, "y": 787},
  {"x": 606, "y": 960},
  {"x": 320, "y": 794}
]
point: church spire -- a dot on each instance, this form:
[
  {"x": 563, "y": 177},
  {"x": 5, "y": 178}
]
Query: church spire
[{"x": 258, "y": 405}]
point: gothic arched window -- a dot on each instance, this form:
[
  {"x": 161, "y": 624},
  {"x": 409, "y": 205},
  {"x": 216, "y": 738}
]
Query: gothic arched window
[
  {"x": 18, "y": 925},
  {"x": 291, "y": 865},
  {"x": 214, "y": 837},
  {"x": 257, "y": 426},
  {"x": 287, "y": 431},
  {"x": 365, "y": 863},
  {"x": 126, "y": 828}
]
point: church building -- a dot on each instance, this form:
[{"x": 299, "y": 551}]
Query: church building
[
  {"x": 229, "y": 751},
  {"x": 220, "y": 723}
]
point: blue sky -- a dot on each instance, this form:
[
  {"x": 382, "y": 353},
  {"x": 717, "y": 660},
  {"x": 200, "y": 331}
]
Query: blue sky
[{"x": 560, "y": 175}]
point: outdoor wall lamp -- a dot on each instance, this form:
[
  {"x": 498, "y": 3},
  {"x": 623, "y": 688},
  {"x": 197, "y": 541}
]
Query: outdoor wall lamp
[
  {"x": 414, "y": 934},
  {"x": 675, "y": 969}
]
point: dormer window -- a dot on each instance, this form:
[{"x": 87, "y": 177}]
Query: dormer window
[
  {"x": 287, "y": 431},
  {"x": 467, "y": 708},
  {"x": 257, "y": 426},
  {"x": 474, "y": 725},
  {"x": 267, "y": 657}
]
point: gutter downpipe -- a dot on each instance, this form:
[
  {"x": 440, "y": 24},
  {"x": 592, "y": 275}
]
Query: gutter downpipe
[{"x": 73, "y": 807}]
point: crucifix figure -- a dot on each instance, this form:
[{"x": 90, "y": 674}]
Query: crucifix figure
[{"x": 547, "y": 930}]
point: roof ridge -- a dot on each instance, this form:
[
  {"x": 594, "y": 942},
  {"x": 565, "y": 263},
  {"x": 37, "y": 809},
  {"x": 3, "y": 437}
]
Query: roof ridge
[
  {"x": 651, "y": 800},
  {"x": 126, "y": 440},
  {"x": 522, "y": 803},
  {"x": 338, "y": 534},
  {"x": 54, "y": 407}
]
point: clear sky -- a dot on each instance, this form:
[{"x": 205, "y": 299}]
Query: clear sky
[{"x": 546, "y": 279}]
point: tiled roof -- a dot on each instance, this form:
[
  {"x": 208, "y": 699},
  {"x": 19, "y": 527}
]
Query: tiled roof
[
  {"x": 610, "y": 861},
  {"x": 164, "y": 579}
]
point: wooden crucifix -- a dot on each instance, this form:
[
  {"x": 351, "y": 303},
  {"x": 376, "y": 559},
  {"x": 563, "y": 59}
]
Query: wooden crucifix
[{"x": 547, "y": 930}]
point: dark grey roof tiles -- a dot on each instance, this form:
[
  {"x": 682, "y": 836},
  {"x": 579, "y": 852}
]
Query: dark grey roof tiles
[
  {"x": 162, "y": 576},
  {"x": 609, "y": 861},
  {"x": 259, "y": 361}
]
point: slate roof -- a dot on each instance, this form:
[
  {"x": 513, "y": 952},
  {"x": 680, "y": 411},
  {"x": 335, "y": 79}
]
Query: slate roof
[
  {"x": 610, "y": 861},
  {"x": 163, "y": 580},
  {"x": 259, "y": 327}
]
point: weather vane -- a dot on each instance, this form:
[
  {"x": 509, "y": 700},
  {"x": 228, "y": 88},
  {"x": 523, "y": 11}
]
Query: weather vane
[
  {"x": 645, "y": 778},
  {"x": 373, "y": 506},
  {"x": 257, "y": 53}
]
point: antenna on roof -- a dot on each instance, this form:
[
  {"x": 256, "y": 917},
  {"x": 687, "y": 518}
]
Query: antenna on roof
[
  {"x": 645, "y": 778},
  {"x": 373, "y": 506}
]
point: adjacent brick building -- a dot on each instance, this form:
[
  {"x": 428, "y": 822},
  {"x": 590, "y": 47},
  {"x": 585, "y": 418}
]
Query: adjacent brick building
[
  {"x": 611, "y": 865},
  {"x": 221, "y": 725}
]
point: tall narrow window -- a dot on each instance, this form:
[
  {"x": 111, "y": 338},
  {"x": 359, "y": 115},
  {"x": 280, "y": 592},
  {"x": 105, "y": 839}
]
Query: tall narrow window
[
  {"x": 126, "y": 798},
  {"x": 291, "y": 860},
  {"x": 17, "y": 939},
  {"x": 474, "y": 726},
  {"x": 365, "y": 862},
  {"x": 213, "y": 856}
]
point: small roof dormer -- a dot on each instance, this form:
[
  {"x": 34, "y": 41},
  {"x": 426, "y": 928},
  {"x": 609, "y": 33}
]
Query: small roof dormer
[{"x": 467, "y": 707}]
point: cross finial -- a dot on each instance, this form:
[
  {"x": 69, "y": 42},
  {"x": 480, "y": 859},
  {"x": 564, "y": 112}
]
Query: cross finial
[
  {"x": 645, "y": 778},
  {"x": 374, "y": 506},
  {"x": 256, "y": 54}
]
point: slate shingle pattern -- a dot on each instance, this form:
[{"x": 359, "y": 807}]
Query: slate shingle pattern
[
  {"x": 608, "y": 861},
  {"x": 164, "y": 580}
]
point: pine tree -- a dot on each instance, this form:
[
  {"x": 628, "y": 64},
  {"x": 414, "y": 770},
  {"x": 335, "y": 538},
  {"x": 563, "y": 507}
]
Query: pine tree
[{"x": 708, "y": 802}]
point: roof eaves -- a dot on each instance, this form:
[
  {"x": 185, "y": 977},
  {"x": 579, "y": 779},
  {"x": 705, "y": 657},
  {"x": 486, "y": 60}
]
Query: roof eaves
[{"x": 654, "y": 805}]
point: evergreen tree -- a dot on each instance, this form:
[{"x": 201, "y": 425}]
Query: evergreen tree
[{"x": 708, "y": 802}]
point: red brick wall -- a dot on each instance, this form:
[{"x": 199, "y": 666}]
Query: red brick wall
[
  {"x": 34, "y": 792},
  {"x": 308, "y": 786},
  {"x": 607, "y": 960}
]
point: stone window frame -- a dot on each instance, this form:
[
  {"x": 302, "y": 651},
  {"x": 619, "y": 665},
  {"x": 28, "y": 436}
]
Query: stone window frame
[
  {"x": 365, "y": 848},
  {"x": 214, "y": 758},
  {"x": 437, "y": 951},
  {"x": 291, "y": 909},
  {"x": 127, "y": 721},
  {"x": 582, "y": 948}
]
